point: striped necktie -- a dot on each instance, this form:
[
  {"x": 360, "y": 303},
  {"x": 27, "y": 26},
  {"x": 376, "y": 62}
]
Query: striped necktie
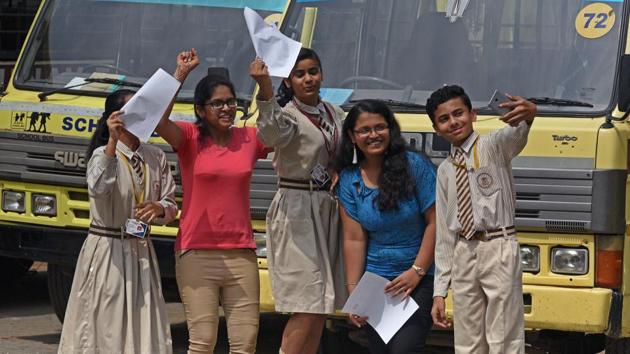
[
  {"x": 136, "y": 164},
  {"x": 464, "y": 202}
]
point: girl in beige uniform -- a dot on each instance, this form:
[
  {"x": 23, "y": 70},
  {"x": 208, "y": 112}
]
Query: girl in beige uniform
[
  {"x": 116, "y": 303},
  {"x": 303, "y": 244}
]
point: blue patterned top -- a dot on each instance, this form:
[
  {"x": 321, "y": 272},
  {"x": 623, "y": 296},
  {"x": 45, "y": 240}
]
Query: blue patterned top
[{"x": 394, "y": 236}]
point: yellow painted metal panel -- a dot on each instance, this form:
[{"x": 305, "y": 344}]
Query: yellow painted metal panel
[
  {"x": 563, "y": 309},
  {"x": 567, "y": 309},
  {"x": 612, "y": 147},
  {"x": 266, "y": 298},
  {"x": 546, "y": 242}
]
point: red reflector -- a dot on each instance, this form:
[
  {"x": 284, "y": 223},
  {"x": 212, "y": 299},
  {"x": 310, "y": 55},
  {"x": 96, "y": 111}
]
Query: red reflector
[{"x": 609, "y": 265}]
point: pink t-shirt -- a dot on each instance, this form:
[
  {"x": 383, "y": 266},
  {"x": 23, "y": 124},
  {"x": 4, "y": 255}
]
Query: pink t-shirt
[{"x": 216, "y": 183}]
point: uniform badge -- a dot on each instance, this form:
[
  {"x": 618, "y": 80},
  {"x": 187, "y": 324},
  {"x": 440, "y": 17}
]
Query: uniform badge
[{"x": 484, "y": 180}]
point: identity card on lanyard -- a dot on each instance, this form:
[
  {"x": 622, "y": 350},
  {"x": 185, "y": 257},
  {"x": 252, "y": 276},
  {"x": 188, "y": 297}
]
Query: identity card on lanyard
[
  {"x": 319, "y": 173},
  {"x": 135, "y": 227}
]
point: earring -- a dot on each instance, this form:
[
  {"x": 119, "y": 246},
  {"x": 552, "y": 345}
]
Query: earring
[{"x": 354, "y": 154}]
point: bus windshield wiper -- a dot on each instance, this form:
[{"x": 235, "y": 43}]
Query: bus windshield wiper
[
  {"x": 103, "y": 80},
  {"x": 548, "y": 101},
  {"x": 391, "y": 103}
]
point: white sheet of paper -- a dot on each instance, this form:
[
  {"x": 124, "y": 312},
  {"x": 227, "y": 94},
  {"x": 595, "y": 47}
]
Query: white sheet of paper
[
  {"x": 277, "y": 50},
  {"x": 385, "y": 314},
  {"x": 145, "y": 109}
]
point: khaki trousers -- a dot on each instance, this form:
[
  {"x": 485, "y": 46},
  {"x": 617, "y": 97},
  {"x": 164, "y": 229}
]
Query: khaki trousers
[
  {"x": 488, "y": 297},
  {"x": 208, "y": 279}
]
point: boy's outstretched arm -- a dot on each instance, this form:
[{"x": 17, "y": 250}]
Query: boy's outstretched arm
[
  {"x": 511, "y": 140},
  {"x": 520, "y": 110}
]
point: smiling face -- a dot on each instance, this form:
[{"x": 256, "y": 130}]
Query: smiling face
[
  {"x": 371, "y": 134},
  {"x": 454, "y": 121},
  {"x": 305, "y": 81},
  {"x": 219, "y": 118}
]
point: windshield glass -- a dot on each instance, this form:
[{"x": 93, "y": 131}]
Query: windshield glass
[
  {"x": 130, "y": 40},
  {"x": 403, "y": 50}
]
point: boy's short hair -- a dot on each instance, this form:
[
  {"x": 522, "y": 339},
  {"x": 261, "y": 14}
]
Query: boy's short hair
[{"x": 443, "y": 94}]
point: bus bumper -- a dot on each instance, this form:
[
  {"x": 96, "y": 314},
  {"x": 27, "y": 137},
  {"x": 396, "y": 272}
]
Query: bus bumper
[{"x": 564, "y": 309}]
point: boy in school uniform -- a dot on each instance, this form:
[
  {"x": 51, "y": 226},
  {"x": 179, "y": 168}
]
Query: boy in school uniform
[{"x": 476, "y": 250}]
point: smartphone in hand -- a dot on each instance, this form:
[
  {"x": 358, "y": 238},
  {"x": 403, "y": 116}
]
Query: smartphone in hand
[{"x": 498, "y": 97}]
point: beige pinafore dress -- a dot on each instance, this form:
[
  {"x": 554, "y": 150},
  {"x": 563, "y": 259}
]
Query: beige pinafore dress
[
  {"x": 303, "y": 227},
  {"x": 116, "y": 303}
]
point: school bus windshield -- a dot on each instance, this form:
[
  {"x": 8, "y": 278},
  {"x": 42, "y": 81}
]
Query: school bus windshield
[
  {"x": 403, "y": 50},
  {"x": 129, "y": 40}
]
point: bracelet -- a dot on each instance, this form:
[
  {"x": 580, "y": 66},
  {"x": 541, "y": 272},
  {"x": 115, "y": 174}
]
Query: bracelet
[
  {"x": 421, "y": 272},
  {"x": 351, "y": 284}
]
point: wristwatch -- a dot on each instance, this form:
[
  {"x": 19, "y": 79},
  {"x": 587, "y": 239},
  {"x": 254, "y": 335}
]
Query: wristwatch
[{"x": 421, "y": 272}]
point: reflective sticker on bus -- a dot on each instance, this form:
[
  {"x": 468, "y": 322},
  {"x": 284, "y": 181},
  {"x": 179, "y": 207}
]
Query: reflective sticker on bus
[
  {"x": 336, "y": 96},
  {"x": 41, "y": 122},
  {"x": 595, "y": 20},
  {"x": 261, "y": 5}
]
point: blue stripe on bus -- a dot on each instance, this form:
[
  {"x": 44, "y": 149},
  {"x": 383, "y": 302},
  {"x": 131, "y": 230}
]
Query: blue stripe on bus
[{"x": 262, "y": 5}]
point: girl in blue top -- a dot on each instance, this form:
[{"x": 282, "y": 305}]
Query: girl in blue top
[{"x": 387, "y": 195}]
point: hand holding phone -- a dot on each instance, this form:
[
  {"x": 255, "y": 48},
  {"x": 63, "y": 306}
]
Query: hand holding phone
[{"x": 498, "y": 97}]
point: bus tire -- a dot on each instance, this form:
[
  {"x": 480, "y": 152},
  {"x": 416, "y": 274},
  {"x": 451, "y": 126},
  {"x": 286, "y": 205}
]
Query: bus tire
[
  {"x": 617, "y": 345},
  {"x": 13, "y": 269},
  {"x": 59, "y": 285}
]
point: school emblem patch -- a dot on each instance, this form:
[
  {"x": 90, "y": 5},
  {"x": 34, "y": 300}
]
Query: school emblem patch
[{"x": 484, "y": 180}]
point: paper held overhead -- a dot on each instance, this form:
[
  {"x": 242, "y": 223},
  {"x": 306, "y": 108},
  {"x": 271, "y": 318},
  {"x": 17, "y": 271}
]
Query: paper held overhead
[
  {"x": 278, "y": 51},
  {"x": 145, "y": 109}
]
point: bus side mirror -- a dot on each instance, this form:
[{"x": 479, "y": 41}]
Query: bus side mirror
[{"x": 623, "y": 87}]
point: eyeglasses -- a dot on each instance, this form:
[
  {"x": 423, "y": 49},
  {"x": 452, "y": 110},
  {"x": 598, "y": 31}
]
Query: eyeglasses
[
  {"x": 218, "y": 104},
  {"x": 366, "y": 131}
]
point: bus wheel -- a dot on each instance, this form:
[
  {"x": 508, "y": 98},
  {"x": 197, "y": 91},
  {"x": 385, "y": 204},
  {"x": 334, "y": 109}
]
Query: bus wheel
[
  {"x": 13, "y": 269},
  {"x": 59, "y": 285},
  {"x": 617, "y": 345}
]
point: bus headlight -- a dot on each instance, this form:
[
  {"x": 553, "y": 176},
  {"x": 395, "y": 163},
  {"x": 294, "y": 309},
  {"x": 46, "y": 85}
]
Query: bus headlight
[
  {"x": 530, "y": 259},
  {"x": 13, "y": 201},
  {"x": 42, "y": 204},
  {"x": 569, "y": 260},
  {"x": 261, "y": 244}
]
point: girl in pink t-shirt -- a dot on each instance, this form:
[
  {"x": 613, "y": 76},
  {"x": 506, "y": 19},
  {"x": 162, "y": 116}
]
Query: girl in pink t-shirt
[{"x": 214, "y": 250}]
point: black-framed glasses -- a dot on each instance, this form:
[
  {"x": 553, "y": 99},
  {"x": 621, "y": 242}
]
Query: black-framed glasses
[
  {"x": 218, "y": 104},
  {"x": 366, "y": 131}
]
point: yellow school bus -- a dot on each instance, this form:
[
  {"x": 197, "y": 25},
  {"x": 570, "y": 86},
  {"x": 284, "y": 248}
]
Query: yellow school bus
[
  {"x": 571, "y": 57},
  {"x": 76, "y": 53}
]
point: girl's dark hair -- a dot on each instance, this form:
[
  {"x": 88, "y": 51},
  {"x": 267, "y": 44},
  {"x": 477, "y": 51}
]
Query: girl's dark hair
[
  {"x": 395, "y": 183},
  {"x": 114, "y": 102},
  {"x": 285, "y": 93},
  {"x": 203, "y": 92}
]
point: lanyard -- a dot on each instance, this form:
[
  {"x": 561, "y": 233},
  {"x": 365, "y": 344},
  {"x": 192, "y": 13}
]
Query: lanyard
[
  {"x": 475, "y": 157},
  {"x": 139, "y": 197},
  {"x": 330, "y": 144}
]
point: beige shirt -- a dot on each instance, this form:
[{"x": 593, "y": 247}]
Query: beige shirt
[
  {"x": 111, "y": 185},
  {"x": 489, "y": 164},
  {"x": 299, "y": 144}
]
